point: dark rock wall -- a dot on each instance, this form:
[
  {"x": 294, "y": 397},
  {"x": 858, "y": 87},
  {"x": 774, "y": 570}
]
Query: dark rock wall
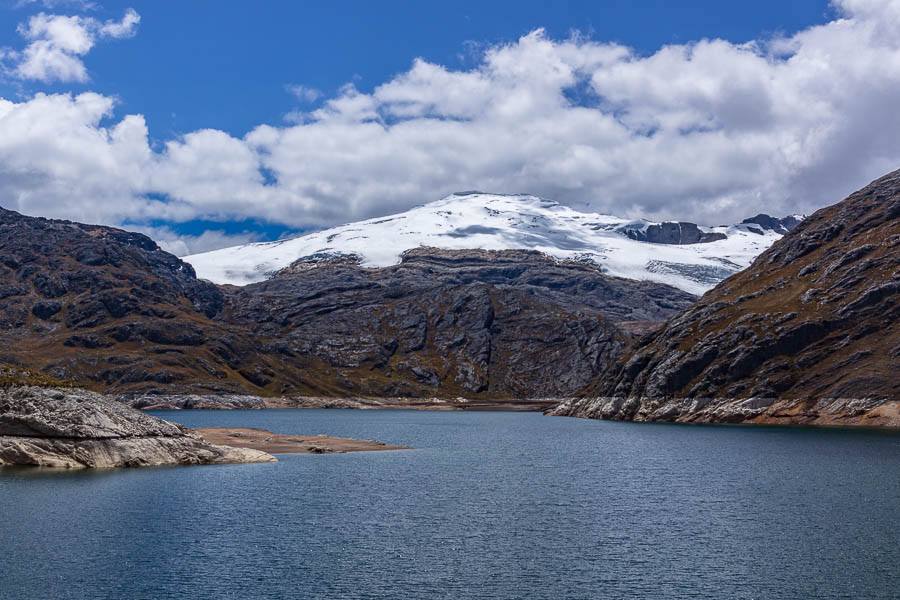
[
  {"x": 507, "y": 323},
  {"x": 674, "y": 232}
]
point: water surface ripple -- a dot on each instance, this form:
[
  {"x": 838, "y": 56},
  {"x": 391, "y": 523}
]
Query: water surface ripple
[{"x": 488, "y": 505}]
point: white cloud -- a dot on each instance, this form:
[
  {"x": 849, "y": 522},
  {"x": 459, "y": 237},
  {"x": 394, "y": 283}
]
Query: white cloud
[
  {"x": 183, "y": 245},
  {"x": 125, "y": 28},
  {"x": 303, "y": 93},
  {"x": 710, "y": 131},
  {"x": 52, "y": 4},
  {"x": 58, "y": 43}
]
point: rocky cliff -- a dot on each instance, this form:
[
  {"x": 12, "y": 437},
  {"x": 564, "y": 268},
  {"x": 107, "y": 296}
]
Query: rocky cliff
[
  {"x": 809, "y": 333},
  {"x": 109, "y": 310},
  {"x": 449, "y": 322},
  {"x": 77, "y": 428}
]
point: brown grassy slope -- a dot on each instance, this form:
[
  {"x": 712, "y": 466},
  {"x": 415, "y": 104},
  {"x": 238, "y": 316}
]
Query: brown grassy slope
[
  {"x": 108, "y": 309},
  {"x": 815, "y": 316}
]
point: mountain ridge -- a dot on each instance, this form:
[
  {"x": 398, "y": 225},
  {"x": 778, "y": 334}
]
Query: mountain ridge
[
  {"x": 111, "y": 311},
  {"x": 684, "y": 255}
]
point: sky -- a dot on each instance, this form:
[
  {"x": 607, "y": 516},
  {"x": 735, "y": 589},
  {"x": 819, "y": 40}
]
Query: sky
[{"x": 208, "y": 124}]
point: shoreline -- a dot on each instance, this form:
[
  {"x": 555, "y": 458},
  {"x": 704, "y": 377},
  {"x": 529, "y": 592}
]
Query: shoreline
[
  {"x": 828, "y": 412},
  {"x": 248, "y": 402}
]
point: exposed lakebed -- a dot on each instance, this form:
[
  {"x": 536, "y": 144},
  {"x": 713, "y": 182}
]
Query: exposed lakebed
[{"x": 487, "y": 505}]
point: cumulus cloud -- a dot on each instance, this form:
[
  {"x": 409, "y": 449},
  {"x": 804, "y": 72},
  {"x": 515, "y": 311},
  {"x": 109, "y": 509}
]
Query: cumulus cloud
[
  {"x": 710, "y": 131},
  {"x": 57, "y": 44}
]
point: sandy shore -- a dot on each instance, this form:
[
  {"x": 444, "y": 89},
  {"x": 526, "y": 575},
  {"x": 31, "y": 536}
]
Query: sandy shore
[{"x": 277, "y": 443}]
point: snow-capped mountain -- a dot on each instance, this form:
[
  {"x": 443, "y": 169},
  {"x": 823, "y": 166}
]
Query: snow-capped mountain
[{"x": 684, "y": 255}]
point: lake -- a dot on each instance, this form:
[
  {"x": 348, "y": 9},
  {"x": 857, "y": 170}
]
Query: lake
[{"x": 487, "y": 505}]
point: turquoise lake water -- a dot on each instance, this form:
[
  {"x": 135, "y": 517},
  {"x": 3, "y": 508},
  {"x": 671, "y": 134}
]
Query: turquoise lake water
[{"x": 488, "y": 505}]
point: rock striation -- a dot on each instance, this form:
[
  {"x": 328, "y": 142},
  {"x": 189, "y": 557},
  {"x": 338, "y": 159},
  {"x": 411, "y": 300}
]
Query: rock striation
[
  {"x": 809, "y": 333},
  {"x": 866, "y": 412},
  {"x": 77, "y": 428}
]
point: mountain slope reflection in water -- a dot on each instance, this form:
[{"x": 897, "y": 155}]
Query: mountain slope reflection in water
[{"x": 488, "y": 505}]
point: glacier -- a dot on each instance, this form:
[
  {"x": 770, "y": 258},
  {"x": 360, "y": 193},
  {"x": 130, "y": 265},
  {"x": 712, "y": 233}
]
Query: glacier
[{"x": 469, "y": 220}]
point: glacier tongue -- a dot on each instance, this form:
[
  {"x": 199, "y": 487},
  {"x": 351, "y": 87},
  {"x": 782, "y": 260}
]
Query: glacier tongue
[{"x": 499, "y": 222}]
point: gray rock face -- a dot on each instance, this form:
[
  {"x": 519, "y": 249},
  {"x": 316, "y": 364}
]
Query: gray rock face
[
  {"x": 77, "y": 428},
  {"x": 681, "y": 232},
  {"x": 452, "y": 323},
  {"x": 816, "y": 317},
  {"x": 675, "y": 232},
  {"x": 781, "y": 226}
]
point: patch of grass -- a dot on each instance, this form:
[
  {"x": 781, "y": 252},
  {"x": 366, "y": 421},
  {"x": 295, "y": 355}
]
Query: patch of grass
[{"x": 12, "y": 376}]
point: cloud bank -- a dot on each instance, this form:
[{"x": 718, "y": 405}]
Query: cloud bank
[
  {"x": 710, "y": 131},
  {"x": 57, "y": 44}
]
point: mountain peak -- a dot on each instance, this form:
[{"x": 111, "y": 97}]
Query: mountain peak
[{"x": 685, "y": 255}]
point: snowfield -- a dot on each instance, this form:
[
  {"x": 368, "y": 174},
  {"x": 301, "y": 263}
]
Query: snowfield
[{"x": 498, "y": 222}]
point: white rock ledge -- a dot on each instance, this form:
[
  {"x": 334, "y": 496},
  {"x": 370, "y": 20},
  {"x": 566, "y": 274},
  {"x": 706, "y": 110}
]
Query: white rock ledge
[
  {"x": 762, "y": 411},
  {"x": 77, "y": 428}
]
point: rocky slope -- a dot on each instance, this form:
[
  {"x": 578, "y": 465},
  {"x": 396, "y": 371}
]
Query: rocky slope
[
  {"x": 110, "y": 311},
  {"x": 465, "y": 322},
  {"x": 683, "y": 255},
  {"x": 77, "y": 428},
  {"x": 810, "y": 333},
  {"x": 104, "y": 307}
]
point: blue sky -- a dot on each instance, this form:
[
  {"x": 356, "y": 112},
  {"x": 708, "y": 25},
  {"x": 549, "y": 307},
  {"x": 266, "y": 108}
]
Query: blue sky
[
  {"x": 249, "y": 120},
  {"x": 225, "y": 64}
]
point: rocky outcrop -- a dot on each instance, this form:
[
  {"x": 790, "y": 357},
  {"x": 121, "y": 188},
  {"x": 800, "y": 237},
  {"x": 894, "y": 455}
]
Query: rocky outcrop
[
  {"x": 781, "y": 226},
  {"x": 77, "y": 428},
  {"x": 674, "y": 232},
  {"x": 813, "y": 322}
]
